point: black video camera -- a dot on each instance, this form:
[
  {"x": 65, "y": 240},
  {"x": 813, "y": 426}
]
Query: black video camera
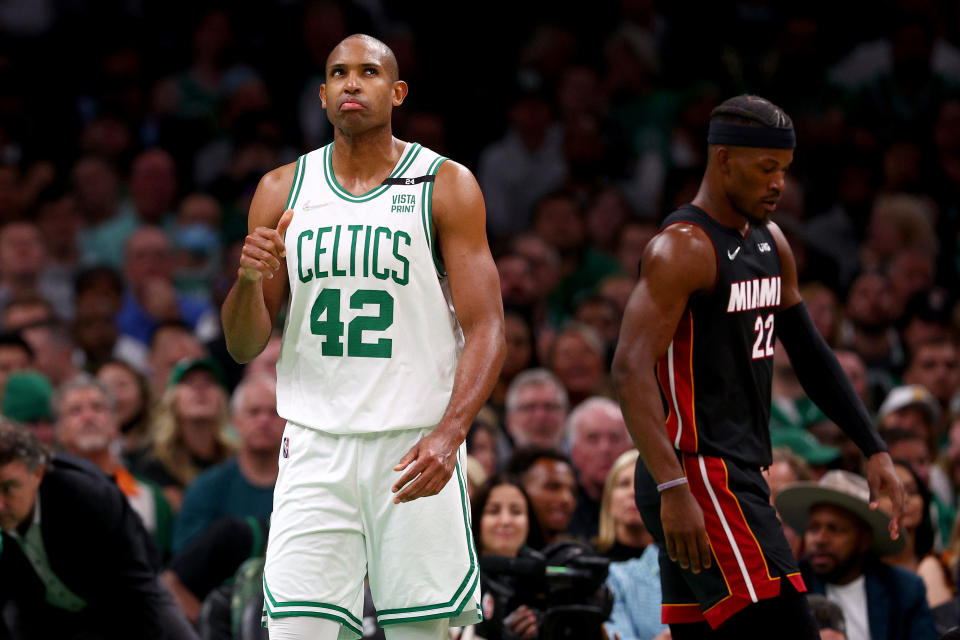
[{"x": 563, "y": 584}]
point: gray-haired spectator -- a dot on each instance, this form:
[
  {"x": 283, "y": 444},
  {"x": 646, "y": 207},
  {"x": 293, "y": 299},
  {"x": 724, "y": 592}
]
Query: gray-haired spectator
[
  {"x": 536, "y": 410},
  {"x": 578, "y": 359},
  {"x": 76, "y": 559},
  {"x": 88, "y": 427},
  {"x": 597, "y": 435}
]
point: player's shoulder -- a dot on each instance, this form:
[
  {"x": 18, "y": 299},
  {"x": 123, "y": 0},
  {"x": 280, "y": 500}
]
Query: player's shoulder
[
  {"x": 455, "y": 187},
  {"x": 681, "y": 251},
  {"x": 271, "y": 196}
]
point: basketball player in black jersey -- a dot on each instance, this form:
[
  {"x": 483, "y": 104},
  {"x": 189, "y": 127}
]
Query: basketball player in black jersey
[{"x": 718, "y": 285}]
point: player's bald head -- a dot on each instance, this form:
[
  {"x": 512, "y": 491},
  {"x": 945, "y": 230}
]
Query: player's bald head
[{"x": 383, "y": 54}]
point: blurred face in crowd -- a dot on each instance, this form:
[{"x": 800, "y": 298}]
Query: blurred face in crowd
[
  {"x": 913, "y": 418},
  {"x": 149, "y": 256},
  {"x": 623, "y": 506},
  {"x": 504, "y": 524},
  {"x": 519, "y": 346},
  {"x": 856, "y": 371},
  {"x": 552, "y": 488},
  {"x": 18, "y": 315},
  {"x": 598, "y": 440},
  {"x": 169, "y": 346},
  {"x": 778, "y": 475},
  {"x": 753, "y": 178},
  {"x": 869, "y": 302},
  {"x": 22, "y": 251},
  {"x": 559, "y": 223},
  {"x": 633, "y": 239},
  {"x": 94, "y": 327},
  {"x": 18, "y": 493},
  {"x": 911, "y": 272},
  {"x": 126, "y": 390},
  {"x": 483, "y": 449},
  {"x": 936, "y": 367},
  {"x": 95, "y": 185},
  {"x": 913, "y": 503},
  {"x": 86, "y": 423},
  {"x": 199, "y": 208},
  {"x": 362, "y": 86},
  {"x": 153, "y": 185},
  {"x": 602, "y": 316},
  {"x": 517, "y": 286},
  {"x": 198, "y": 396},
  {"x": 822, "y": 305},
  {"x": 543, "y": 260},
  {"x": 836, "y": 541},
  {"x": 537, "y": 416},
  {"x": 575, "y": 362},
  {"x": 916, "y": 453},
  {"x": 256, "y": 419},
  {"x": 13, "y": 358},
  {"x": 266, "y": 361}
]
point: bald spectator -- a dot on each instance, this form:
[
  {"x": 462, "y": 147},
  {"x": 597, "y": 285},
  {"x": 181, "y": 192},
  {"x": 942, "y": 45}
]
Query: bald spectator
[
  {"x": 153, "y": 193},
  {"x": 88, "y": 426},
  {"x": 536, "y": 410},
  {"x": 597, "y": 435},
  {"x": 243, "y": 485},
  {"x": 151, "y": 297}
]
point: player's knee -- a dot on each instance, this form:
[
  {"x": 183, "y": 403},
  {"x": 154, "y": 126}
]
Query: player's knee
[
  {"x": 423, "y": 630},
  {"x": 303, "y": 628}
]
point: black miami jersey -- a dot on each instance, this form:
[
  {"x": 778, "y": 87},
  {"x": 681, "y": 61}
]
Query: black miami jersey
[{"x": 716, "y": 374}]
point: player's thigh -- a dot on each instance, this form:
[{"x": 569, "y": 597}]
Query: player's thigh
[
  {"x": 422, "y": 558},
  {"x": 316, "y": 557},
  {"x": 423, "y": 630},
  {"x": 303, "y": 628}
]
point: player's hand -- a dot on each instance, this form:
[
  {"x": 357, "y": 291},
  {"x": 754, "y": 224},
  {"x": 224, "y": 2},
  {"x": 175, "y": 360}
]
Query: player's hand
[
  {"x": 522, "y": 622},
  {"x": 429, "y": 465},
  {"x": 683, "y": 529},
  {"x": 882, "y": 478},
  {"x": 263, "y": 249}
]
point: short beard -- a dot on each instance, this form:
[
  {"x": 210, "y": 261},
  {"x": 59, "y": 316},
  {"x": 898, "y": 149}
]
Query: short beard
[
  {"x": 843, "y": 568},
  {"x": 91, "y": 443}
]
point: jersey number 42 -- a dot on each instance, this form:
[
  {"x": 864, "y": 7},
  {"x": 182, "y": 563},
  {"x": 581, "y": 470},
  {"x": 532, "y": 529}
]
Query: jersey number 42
[{"x": 331, "y": 327}]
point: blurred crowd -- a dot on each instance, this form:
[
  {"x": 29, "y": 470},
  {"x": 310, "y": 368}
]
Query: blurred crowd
[{"x": 128, "y": 164}]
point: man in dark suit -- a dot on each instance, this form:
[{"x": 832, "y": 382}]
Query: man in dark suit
[
  {"x": 75, "y": 559},
  {"x": 844, "y": 539}
]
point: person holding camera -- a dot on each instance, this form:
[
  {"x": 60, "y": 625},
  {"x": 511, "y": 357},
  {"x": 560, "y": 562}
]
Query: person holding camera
[{"x": 501, "y": 524}]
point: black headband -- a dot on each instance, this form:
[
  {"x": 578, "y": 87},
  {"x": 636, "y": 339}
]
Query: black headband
[{"x": 744, "y": 136}]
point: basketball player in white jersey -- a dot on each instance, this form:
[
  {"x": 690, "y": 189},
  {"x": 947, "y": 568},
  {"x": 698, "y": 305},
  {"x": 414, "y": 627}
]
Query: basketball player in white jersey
[{"x": 392, "y": 342}]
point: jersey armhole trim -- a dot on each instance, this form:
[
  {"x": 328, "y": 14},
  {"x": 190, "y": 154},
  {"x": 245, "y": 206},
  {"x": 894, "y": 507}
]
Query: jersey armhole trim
[
  {"x": 297, "y": 182},
  {"x": 426, "y": 206}
]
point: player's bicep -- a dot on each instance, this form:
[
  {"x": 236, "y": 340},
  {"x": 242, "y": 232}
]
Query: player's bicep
[
  {"x": 460, "y": 220},
  {"x": 675, "y": 265}
]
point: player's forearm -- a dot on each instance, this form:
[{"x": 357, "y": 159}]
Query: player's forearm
[
  {"x": 246, "y": 320},
  {"x": 639, "y": 397},
  {"x": 480, "y": 363},
  {"x": 823, "y": 378}
]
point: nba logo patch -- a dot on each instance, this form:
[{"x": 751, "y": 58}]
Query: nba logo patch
[{"x": 285, "y": 448}]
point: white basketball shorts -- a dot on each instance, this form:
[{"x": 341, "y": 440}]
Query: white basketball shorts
[{"x": 334, "y": 522}]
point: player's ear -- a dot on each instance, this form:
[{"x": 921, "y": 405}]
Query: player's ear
[
  {"x": 323, "y": 95},
  {"x": 400, "y": 90},
  {"x": 722, "y": 156}
]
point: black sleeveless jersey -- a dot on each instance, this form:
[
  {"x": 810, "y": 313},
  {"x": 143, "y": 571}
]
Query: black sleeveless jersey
[{"x": 715, "y": 376}]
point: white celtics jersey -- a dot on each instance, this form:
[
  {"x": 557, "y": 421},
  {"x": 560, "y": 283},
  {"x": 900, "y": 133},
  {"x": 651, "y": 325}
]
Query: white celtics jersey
[{"x": 371, "y": 340}]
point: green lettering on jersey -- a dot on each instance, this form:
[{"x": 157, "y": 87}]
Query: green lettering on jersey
[
  {"x": 331, "y": 328},
  {"x": 366, "y": 253},
  {"x": 376, "y": 253},
  {"x": 320, "y": 249},
  {"x": 304, "y": 277},
  {"x": 354, "y": 229},
  {"x": 336, "y": 249},
  {"x": 403, "y": 278}
]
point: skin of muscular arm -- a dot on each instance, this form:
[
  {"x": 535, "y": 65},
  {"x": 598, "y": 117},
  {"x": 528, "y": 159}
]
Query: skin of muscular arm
[
  {"x": 880, "y": 473},
  {"x": 678, "y": 262},
  {"x": 459, "y": 217},
  {"x": 251, "y": 308}
]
